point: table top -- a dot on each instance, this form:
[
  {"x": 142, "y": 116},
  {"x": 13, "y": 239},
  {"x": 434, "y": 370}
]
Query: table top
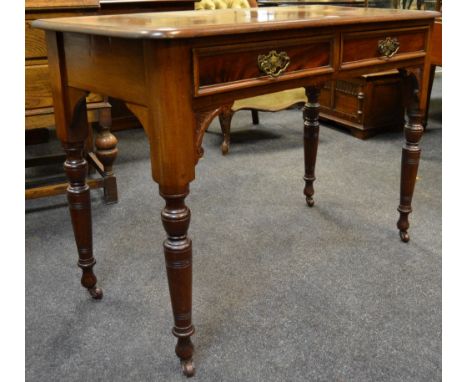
[
  {"x": 310, "y": 2},
  {"x": 191, "y": 24}
]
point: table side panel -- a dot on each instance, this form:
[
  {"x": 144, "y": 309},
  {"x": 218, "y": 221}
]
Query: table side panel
[{"x": 107, "y": 65}]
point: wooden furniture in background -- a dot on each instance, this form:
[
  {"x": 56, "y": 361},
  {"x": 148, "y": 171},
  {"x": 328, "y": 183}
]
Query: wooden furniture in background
[
  {"x": 366, "y": 105},
  {"x": 267, "y": 102},
  {"x": 39, "y": 106},
  {"x": 174, "y": 71}
]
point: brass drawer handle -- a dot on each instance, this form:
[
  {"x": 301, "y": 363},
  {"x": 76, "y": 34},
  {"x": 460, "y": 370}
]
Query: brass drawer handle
[
  {"x": 273, "y": 64},
  {"x": 388, "y": 47}
]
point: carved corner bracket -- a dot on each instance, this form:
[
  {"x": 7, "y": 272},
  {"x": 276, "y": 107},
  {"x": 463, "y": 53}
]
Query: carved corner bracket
[{"x": 203, "y": 121}]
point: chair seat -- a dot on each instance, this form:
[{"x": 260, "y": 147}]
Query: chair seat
[
  {"x": 267, "y": 102},
  {"x": 272, "y": 102}
]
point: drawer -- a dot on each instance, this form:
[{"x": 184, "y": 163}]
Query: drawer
[
  {"x": 35, "y": 44},
  {"x": 38, "y": 88},
  {"x": 230, "y": 67},
  {"x": 363, "y": 48}
]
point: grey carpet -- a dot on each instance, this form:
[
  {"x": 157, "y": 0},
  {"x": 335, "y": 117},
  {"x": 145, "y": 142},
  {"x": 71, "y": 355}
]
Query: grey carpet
[{"x": 281, "y": 292}]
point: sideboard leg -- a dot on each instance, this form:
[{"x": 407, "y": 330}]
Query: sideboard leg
[
  {"x": 411, "y": 152},
  {"x": 311, "y": 138},
  {"x": 106, "y": 151},
  {"x": 178, "y": 253},
  {"x": 79, "y": 203}
]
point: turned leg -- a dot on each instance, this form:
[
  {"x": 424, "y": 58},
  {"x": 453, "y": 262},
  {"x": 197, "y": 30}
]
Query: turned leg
[
  {"x": 71, "y": 124},
  {"x": 178, "y": 253},
  {"x": 311, "y": 137},
  {"x": 410, "y": 153},
  {"x": 79, "y": 203},
  {"x": 255, "y": 119},
  {"x": 225, "y": 117},
  {"x": 106, "y": 152}
]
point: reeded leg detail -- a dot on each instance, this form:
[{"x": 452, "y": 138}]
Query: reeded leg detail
[
  {"x": 79, "y": 203},
  {"x": 311, "y": 137},
  {"x": 178, "y": 253},
  {"x": 106, "y": 152},
  {"x": 411, "y": 152},
  {"x": 225, "y": 117}
]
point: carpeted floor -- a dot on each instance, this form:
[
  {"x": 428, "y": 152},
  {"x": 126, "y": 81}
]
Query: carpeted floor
[{"x": 281, "y": 292}]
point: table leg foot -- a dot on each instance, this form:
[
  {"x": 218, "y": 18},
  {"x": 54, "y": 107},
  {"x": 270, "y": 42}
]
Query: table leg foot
[
  {"x": 96, "y": 293},
  {"x": 404, "y": 236},
  {"x": 309, "y": 199},
  {"x": 184, "y": 350},
  {"x": 403, "y": 223}
]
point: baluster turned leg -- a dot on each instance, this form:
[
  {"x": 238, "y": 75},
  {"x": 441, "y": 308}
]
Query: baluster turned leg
[
  {"x": 409, "y": 170},
  {"x": 311, "y": 137},
  {"x": 79, "y": 203},
  {"x": 178, "y": 253},
  {"x": 106, "y": 152},
  {"x": 225, "y": 117},
  {"x": 411, "y": 152}
]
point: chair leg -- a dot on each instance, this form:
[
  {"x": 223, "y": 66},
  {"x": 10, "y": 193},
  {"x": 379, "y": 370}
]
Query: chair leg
[
  {"x": 225, "y": 117},
  {"x": 255, "y": 120},
  {"x": 106, "y": 151}
]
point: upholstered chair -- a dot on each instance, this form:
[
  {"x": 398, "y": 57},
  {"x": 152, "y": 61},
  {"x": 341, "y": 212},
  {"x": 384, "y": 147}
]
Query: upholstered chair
[{"x": 268, "y": 102}]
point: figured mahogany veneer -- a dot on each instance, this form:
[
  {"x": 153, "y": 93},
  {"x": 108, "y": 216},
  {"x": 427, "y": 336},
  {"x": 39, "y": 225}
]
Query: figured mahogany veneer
[
  {"x": 361, "y": 48},
  {"x": 174, "y": 70},
  {"x": 232, "y": 66}
]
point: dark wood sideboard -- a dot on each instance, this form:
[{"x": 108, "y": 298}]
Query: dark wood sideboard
[
  {"x": 39, "y": 105},
  {"x": 357, "y": 104}
]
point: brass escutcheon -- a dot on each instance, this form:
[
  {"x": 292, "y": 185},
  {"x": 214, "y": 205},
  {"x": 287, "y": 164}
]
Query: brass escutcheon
[
  {"x": 388, "y": 47},
  {"x": 273, "y": 64}
]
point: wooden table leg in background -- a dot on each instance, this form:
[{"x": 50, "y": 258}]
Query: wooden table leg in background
[
  {"x": 411, "y": 152},
  {"x": 106, "y": 152},
  {"x": 311, "y": 138}
]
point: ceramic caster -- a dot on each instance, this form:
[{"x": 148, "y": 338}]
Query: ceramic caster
[
  {"x": 188, "y": 368},
  {"x": 95, "y": 293},
  {"x": 310, "y": 201},
  {"x": 404, "y": 236},
  {"x": 225, "y": 148}
]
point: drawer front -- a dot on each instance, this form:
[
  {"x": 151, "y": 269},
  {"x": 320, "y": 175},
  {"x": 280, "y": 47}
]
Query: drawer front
[
  {"x": 362, "y": 48},
  {"x": 38, "y": 88},
  {"x": 237, "y": 66},
  {"x": 35, "y": 43}
]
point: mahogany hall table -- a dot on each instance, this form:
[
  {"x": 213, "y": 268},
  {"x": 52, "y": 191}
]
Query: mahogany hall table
[{"x": 174, "y": 70}]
